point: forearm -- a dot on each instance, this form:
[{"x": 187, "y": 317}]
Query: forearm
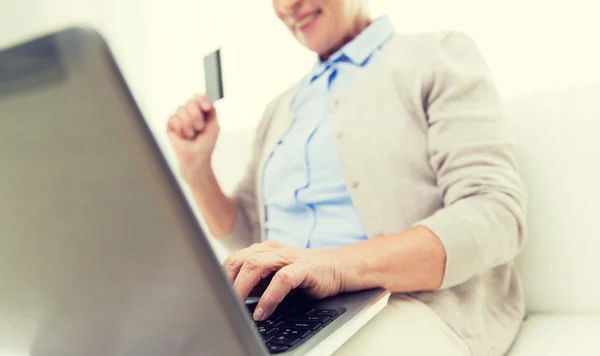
[
  {"x": 217, "y": 209},
  {"x": 413, "y": 260}
]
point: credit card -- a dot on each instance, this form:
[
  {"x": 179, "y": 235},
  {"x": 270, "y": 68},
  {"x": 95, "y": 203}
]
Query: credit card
[{"x": 213, "y": 76}]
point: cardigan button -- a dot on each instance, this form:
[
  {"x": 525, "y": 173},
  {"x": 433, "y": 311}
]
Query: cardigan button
[
  {"x": 355, "y": 184},
  {"x": 335, "y": 103},
  {"x": 339, "y": 134}
]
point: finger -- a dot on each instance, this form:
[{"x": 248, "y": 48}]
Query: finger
[
  {"x": 206, "y": 105},
  {"x": 187, "y": 130},
  {"x": 261, "y": 287},
  {"x": 171, "y": 123},
  {"x": 234, "y": 262},
  {"x": 174, "y": 138},
  {"x": 196, "y": 116},
  {"x": 254, "y": 269},
  {"x": 284, "y": 281},
  {"x": 175, "y": 124},
  {"x": 211, "y": 126}
]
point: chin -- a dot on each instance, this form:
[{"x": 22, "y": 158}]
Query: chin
[{"x": 316, "y": 46}]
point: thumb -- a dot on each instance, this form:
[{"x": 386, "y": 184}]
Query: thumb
[{"x": 212, "y": 126}]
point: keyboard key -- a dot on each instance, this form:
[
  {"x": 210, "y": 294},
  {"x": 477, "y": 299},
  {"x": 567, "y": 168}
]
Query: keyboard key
[
  {"x": 316, "y": 318},
  {"x": 266, "y": 338},
  {"x": 277, "y": 348},
  {"x": 264, "y": 330},
  {"x": 291, "y": 332},
  {"x": 323, "y": 312},
  {"x": 277, "y": 314},
  {"x": 284, "y": 340},
  {"x": 292, "y": 323},
  {"x": 301, "y": 325},
  {"x": 270, "y": 323},
  {"x": 251, "y": 304}
]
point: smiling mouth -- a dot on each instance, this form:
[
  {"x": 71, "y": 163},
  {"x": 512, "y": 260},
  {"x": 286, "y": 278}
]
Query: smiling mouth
[{"x": 306, "y": 20}]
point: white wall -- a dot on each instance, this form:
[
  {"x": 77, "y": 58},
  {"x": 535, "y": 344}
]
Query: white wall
[{"x": 530, "y": 44}]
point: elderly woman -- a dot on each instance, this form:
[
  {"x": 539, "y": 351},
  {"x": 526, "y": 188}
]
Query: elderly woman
[{"x": 387, "y": 165}]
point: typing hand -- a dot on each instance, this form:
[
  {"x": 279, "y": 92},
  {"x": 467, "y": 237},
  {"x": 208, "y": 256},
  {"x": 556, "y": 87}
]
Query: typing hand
[{"x": 314, "y": 271}]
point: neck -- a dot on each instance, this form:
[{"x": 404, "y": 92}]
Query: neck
[{"x": 359, "y": 25}]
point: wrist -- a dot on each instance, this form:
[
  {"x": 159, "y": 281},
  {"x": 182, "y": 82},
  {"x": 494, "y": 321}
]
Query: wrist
[
  {"x": 199, "y": 176},
  {"x": 351, "y": 270}
]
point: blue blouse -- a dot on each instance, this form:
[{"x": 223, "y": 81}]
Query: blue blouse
[{"x": 306, "y": 200}]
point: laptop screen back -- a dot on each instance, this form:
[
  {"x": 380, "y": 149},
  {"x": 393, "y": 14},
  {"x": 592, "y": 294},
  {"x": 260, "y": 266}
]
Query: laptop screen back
[{"x": 99, "y": 251}]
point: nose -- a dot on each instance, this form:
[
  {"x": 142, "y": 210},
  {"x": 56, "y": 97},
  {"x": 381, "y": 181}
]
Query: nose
[{"x": 289, "y": 6}]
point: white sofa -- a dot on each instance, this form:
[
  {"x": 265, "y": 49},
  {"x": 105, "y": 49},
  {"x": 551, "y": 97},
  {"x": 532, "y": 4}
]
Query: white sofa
[{"x": 558, "y": 138}]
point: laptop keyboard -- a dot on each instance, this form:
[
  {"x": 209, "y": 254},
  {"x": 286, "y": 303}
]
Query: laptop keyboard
[{"x": 292, "y": 323}]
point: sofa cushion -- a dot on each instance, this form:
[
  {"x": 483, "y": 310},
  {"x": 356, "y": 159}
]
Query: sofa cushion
[
  {"x": 558, "y": 144},
  {"x": 558, "y": 335}
]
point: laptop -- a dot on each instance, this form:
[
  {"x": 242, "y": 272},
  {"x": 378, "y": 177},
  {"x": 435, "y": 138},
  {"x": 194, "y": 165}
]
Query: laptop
[{"x": 100, "y": 252}]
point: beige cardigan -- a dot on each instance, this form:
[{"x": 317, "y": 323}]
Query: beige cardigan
[{"x": 422, "y": 141}]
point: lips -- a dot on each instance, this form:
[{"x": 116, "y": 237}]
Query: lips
[{"x": 305, "y": 20}]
